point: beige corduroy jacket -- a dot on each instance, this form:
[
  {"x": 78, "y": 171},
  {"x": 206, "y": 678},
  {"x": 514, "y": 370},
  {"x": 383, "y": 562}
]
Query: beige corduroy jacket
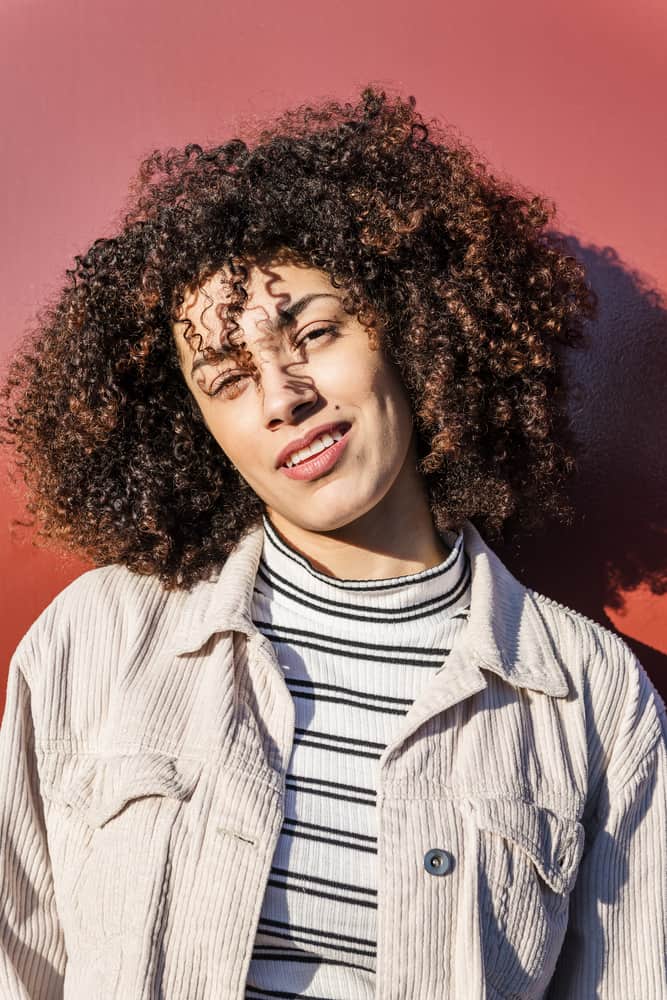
[{"x": 142, "y": 759}]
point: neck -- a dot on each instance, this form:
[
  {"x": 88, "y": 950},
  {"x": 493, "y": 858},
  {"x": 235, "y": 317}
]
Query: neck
[{"x": 396, "y": 538}]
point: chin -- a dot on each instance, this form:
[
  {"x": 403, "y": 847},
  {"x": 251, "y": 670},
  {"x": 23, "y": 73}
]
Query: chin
[{"x": 329, "y": 515}]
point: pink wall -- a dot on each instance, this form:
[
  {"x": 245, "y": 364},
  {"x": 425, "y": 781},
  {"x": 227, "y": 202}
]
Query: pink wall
[{"x": 568, "y": 98}]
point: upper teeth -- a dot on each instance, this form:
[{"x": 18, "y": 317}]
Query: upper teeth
[{"x": 314, "y": 448}]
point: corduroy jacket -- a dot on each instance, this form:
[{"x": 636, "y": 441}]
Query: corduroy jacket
[{"x": 142, "y": 759}]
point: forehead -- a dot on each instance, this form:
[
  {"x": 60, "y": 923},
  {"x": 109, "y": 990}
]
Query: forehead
[{"x": 272, "y": 289}]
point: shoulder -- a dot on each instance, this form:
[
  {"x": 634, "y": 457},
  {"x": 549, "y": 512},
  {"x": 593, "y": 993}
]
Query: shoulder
[
  {"x": 103, "y": 609},
  {"x": 624, "y": 714},
  {"x": 578, "y": 634},
  {"x": 96, "y": 633}
]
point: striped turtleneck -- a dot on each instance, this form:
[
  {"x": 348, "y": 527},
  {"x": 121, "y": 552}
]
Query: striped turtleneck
[{"x": 355, "y": 655}]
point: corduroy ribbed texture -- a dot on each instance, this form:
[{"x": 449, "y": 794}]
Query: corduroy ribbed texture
[{"x": 143, "y": 755}]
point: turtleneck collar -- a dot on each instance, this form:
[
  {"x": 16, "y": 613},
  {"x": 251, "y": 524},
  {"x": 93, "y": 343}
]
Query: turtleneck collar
[{"x": 426, "y": 597}]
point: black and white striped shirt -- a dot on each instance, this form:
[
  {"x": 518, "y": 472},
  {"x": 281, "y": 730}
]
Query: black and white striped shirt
[{"x": 355, "y": 655}]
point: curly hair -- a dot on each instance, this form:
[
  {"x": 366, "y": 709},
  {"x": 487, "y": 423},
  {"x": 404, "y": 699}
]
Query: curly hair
[{"x": 473, "y": 294}]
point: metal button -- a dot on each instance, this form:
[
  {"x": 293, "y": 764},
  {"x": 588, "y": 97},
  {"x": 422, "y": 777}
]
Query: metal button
[{"x": 438, "y": 862}]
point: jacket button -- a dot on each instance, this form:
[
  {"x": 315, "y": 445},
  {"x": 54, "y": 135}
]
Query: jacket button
[{"x": 438, "y": 862}]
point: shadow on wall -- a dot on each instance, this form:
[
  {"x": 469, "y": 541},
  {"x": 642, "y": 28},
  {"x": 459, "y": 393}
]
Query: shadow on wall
[{"x": 618, "y": 408}]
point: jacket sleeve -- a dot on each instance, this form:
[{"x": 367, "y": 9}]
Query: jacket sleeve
[
  {"x": 615, "y": 947},
  {"x": 32, "y": 949}
]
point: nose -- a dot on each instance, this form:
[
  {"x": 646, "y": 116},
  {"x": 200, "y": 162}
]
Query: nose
[{"x": 288, "y": 394}]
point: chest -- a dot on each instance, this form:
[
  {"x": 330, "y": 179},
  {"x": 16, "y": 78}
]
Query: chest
[{"x": 162, "y": 835}]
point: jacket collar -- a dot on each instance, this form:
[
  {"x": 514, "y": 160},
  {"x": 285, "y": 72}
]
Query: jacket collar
[{"x": 506, "y": 631}]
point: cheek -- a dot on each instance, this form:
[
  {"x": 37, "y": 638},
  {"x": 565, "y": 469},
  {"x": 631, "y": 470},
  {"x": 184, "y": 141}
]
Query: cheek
[
  {"x": 228, "y": 434},
  {"x": 237, "y": 436},
  {"x": 393, "y": 402}
]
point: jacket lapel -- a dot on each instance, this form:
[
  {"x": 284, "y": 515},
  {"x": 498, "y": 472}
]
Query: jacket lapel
[{"x": 506, "y": 632}]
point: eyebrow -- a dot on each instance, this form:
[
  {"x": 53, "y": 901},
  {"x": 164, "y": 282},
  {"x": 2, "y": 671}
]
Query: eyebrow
[{"x": 285, "y": 316}]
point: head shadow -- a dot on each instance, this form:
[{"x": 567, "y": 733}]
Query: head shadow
[{"x": 618, "y": 412}]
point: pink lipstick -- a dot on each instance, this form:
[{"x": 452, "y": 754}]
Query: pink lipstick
[{"x": 318, "y": 465}]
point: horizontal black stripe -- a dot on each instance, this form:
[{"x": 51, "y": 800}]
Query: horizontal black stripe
[
  {"x": 331, "y": 841},
  {"x": 278, "y": 953},
  {"x": 317, "y": 933},
  {"x": 332, "y": 748},
  {"x": 254, "y": 992},
  {"x": 321, "y": 895},
  {"x": 322, "y": 881},
  {"x": 336, "y": 641},
  {"x": 351, "y": 740},
  {"x": 309, "y": 696},
  {"x": 336, "y": 744},
  {"x": 354, "y": 654},
  {"x": 455, "y": 589},
  {"x": 312, "y": 693},
  {"x": 332, "y": 947},
  {"x": 329, "y": 608},
  {"x": 302, "y": 779},
  {"x": 331, "y": 795},
  {"x": 330, "y": 829},
  {"x": 394, "y": 583},
  {"x": 293, "y": 682},
  {"x": 305, "y": 785}
]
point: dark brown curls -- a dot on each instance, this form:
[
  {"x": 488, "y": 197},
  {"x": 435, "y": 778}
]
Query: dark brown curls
[{"x": 473, "y": 294}]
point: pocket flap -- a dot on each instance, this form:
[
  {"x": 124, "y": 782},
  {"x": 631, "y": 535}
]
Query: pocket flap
[
  {"x": 554, "y": 843},
  {"x": 100, "y": 786}
]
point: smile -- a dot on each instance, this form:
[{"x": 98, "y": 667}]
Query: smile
[
  {"x": 314, "y": 448},
  {"x": 319, "y": 457}
]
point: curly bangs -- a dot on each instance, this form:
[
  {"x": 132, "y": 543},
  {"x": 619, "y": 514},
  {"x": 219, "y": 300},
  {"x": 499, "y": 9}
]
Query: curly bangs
[{"x": 472, "y": 294}]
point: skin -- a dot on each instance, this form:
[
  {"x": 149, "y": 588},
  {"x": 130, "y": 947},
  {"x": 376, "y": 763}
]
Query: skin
[{"x": 368, "y": 517}]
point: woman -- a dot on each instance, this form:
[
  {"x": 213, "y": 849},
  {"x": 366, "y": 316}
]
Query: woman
[{"x": 301, "y": 733}]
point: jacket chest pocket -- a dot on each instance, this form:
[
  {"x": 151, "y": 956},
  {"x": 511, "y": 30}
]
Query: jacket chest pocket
[
  {"x": 112, "y": 822},
  {"x": 528, "y": 859}
]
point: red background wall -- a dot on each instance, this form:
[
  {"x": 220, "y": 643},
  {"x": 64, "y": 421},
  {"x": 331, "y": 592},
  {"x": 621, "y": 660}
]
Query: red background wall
[{"x": 568, "y": 98}]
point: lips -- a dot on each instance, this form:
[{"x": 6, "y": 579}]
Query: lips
[
  {"x": 312, "y": 468},
  {"x": 303, "y": 442}
]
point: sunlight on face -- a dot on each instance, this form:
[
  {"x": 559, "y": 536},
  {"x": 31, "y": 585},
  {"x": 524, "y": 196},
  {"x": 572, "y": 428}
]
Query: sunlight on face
[{"x": 305, "y": 365}]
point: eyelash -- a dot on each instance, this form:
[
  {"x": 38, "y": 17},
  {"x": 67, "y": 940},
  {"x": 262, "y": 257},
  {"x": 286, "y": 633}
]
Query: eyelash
[{"x": 228, "y": 383}]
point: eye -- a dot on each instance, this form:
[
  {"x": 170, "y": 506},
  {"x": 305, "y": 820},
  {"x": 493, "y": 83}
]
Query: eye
[
  {"x": 228, "y": 386},
  {"x": 314, "y": 335}
]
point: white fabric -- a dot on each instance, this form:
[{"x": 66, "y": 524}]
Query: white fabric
[{"x": 143, "y": 754}]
